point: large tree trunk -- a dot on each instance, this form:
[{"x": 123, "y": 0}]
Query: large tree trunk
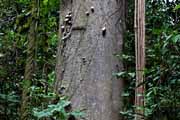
[{"x": 86, "y": 60}]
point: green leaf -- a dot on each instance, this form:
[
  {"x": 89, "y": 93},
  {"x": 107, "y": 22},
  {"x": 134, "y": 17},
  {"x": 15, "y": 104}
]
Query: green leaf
[
  {"x": 1, "y": 55},
  {"x": 10, "y": 98},
  {"x": 45, "y": 2},
  {"x": 126, "y": 94},
  {"x": 176, "y": 38},
  {"x": 119, "y": 74},
  {"x": 26, "y": 84},
  {"x": 52, "y": 108},
  {"x": 177, "y": 7},
  {"x": 78, "y": 113},
  {"x": 132, "y": 75}
]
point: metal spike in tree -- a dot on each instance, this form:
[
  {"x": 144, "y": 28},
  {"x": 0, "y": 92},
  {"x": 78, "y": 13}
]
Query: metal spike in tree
[{"x": 139, "y": 25}]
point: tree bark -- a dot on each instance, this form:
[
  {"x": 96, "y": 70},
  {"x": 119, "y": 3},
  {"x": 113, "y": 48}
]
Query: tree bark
[
  {"x": 140, "y": 57},
  {"x": 25, "y": 112},
  {"x": 86, "y": 57},
  {"x": 28, "y": 75}
]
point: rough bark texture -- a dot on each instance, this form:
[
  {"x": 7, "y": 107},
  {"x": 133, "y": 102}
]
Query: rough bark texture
[
  {"x": 140, "y": 56},
  {"x": 30, "y": 66},
  {"x": 29, "y": 70},
  {"x": 86, "y": 60}
]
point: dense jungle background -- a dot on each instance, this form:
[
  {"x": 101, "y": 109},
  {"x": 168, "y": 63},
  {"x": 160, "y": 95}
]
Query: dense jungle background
[{"x": 29, "y": 39}]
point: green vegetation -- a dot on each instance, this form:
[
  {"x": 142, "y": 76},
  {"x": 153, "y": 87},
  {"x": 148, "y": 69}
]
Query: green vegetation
[
  {"x": 16, "y": 18},
  {"x": 162, "y": 81},
  {"x": 162, "y": 74}
]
